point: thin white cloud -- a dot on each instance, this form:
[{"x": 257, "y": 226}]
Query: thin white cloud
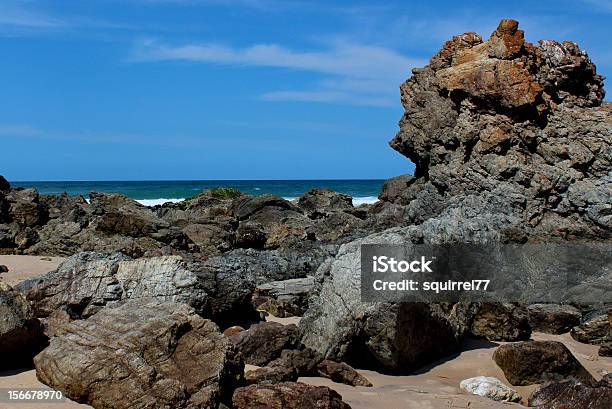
[
  {"x": 17, "y": 15},
  {"x": 357, "y": 74}
]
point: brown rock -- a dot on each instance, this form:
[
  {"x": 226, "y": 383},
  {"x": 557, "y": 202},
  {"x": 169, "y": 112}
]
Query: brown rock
[
  {"x": 553, "y": 318},
  {"x": 142, "y": 355},
  {"x": 529, "y": 362},
  {"x": 233, "y": 330},
  {"x": 270, "y": 375},
  {"x": 342, "y": 373},
  {"x": 287, "y": 395},
  {"x": 501, "y": 322},
  {"x": 21, "y": 334},
  {"x": 264, "y": 342},
  {"x": 571, "y": 394}
]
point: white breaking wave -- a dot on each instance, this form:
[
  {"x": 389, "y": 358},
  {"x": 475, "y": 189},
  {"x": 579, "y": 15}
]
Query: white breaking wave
[
  {"x": 364, "y": 200},
  {"x": 359, "y": 200},
  {"x": 155, "y": 202}
]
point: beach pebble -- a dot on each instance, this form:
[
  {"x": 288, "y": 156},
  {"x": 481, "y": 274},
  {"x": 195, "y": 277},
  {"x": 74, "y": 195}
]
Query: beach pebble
[
  {"x": 3, "y": 269},
  {"x": 491, "y": 388}
]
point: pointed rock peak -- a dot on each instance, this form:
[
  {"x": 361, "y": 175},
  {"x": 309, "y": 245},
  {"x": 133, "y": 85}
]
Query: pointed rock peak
[{"x": 507, "y": 40}]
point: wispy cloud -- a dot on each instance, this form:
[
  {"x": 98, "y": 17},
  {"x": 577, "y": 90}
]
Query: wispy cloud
[
  {"x": 17, "y": 14},
  {"x": 360, "y": 74}
]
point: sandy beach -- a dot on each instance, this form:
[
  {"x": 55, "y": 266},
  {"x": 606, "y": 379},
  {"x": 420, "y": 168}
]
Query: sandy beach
[{"x": 433, "y": 387}]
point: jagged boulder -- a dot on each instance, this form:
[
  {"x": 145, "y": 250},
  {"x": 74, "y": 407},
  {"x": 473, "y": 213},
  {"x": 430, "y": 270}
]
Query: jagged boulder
[
  {"x": 529, "y": 362},
  {"x": 142, "y": 355},
  {"x": 5, "y": 186},
  {"x": 342, "y": 373},
  {"x": 21, "y": 334},
  {"x": 514, "y": 123}
]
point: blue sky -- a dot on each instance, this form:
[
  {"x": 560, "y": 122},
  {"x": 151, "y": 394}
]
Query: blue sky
[{"x": 245, "y": 89}]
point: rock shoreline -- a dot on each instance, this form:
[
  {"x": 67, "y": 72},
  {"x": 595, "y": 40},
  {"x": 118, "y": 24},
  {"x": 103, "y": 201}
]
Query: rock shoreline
[{"x": 512, "y": 143}]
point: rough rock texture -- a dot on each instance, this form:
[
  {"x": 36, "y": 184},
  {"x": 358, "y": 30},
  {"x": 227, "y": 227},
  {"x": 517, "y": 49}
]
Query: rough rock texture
[
  {"x": 553, "y": 318},
  {"x": 87, "y": 282},
  {"x": 342, "y": 373},
  {"x": 573, "y": 394},
  {"x": 21, "y": 335},
  {"x": 595, "y": 328},
  {"x": 501, "y": 322},
  {"x": 142, "y": 355},
  {"x": 318, "y": 203},
  {"x": 264, "y": 342},
  {"x": 393, "y": 337},
  {"x": 287, "y": 395},
  {"x": 270, "y": 375},
  {"x": 514, "y": 123},
  {"x": 285, "y": 298},
  {"x": 303, "y": 361},
  {"x": 491, "y": 388},
  {"x": 529, "y": 362}
]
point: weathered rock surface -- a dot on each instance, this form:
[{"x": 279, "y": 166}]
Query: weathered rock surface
[
  {"x": 342, "y": 373},
  {"x": 529, "y": 362},
  {"x": 394, "y": 337},
  {"x": 491, "y": 388},
  {"x": 21, "y": 335},
  {"x": 303, "y": 361},
  {"x": 595, "y": 329},
  {"x": 287, "y": 395},
  {"x": 553, "y": 318},
  {"x": 264, "y": 342},
  {"x": 512, "y": 122},
  {"x": 270, "y": 375},
  {"x": 285, "y": 298},
  {"x": 501, "y": 322},
  {"x": 317, "y": 203},
  {"x": 87, "y": 282},
  {"x": 573, "y": 394},
  {"x": 142, "y": 355}
]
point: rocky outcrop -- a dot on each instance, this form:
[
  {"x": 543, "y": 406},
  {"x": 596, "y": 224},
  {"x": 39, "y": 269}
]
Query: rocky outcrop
[
  {"x": 142, "y": 355},
  {"x": 491, "y": 388},
  {"x": 264, "y": 342},
  {"x": 342, "y": 373},
  {"x": 526, "y": 363},
  {"x": 21, "y": 335},
  {"x": 287, "y": 395},
  {"x": 573, "y": 394},
  {"x": 509, "y": 122},
  {"x": 553, "y": 318}
]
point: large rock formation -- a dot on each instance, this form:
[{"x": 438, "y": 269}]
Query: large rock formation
[
  {"x": 512, "y": 127},
  {"x": 142, "y": 355}
]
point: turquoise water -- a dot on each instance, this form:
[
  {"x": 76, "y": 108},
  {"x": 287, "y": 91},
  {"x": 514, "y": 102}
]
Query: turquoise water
[{"x": 155, "y": 192}]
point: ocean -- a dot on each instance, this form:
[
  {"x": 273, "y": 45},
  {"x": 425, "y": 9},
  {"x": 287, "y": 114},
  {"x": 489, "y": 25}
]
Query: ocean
[{"x": 151, "y": 193}]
